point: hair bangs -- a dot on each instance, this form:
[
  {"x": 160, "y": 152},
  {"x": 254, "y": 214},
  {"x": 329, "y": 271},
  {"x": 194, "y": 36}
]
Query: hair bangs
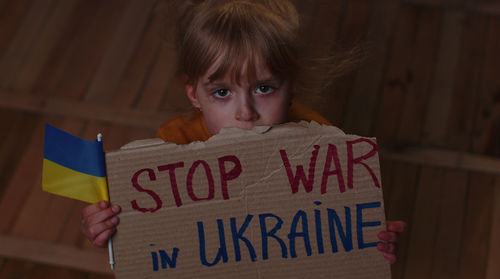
[{"x": 239, "y": 39}]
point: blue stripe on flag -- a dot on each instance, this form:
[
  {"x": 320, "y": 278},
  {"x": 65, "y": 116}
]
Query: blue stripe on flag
[{"x": 73, "y": 152}]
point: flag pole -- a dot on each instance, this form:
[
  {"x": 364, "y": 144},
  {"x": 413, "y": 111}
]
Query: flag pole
[{"x": 110, "y": 241}]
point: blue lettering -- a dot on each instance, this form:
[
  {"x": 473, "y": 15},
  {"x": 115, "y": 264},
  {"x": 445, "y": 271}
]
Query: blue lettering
[
  {"x": 238, "y": 235},
  {"x": 360, "y": 224},
  {"x": 154, "y": 257},
  {"x": 345, "y": 237},
  {"x": 305, "y": 233},
  {"x": 166, "y": 260},
  {"x": 222, "y": 251},
  {"x": 272, "y": 233},
  {"x": 319, "y": 230}
]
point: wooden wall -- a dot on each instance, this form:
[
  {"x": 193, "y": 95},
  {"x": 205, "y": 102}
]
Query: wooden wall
[{"x": 429, "y": 90}]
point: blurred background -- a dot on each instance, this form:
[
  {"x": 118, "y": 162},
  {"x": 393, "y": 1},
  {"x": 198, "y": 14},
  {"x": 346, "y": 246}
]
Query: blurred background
[{"x": 429, "y": 90}]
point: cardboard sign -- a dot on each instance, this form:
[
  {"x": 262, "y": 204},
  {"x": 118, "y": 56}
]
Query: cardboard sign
[{"x": 291, "y": 201}]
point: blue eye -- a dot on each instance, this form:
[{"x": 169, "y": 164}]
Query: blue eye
[
  {"x": 264, "y": 90},
  {"x": 222, "y": 93}
]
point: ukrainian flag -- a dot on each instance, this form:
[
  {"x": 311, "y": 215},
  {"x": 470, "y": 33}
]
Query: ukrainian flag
[{"x": 73, "y": 167}]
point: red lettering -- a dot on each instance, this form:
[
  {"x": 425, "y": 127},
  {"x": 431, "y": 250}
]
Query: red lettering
[
  {"x": 189, "y": 181},
  {"x": 300, "y": 174},
  {"x": 173, "y": 182},
  {"x": 226, "y": 176},
  {"x": 332, "y": 154},
  {"x": 139, "y": 188},
  {"x": 351, "y": 161}
]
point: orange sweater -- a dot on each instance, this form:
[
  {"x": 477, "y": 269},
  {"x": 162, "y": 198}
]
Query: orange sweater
[{"x": 186, "y": 129}]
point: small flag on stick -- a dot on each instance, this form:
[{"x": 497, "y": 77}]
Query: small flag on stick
[{"x": 73, "y": 167}]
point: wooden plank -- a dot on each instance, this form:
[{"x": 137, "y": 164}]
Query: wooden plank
[
  {"x": 41, "y": 209},
  {"x": 485, "y": 7},
  {"x": 13, "y": 58},
  {"x": 321, "y": 34},
  {"x": 397, "y": 77},
  {"x": 72, "y": 108},
  {"x": 71, "y": 41},
  {"x": 53, "y": 254},
  {"x": 13, "y": 142},
  {"x": 369, "y": 77},
  {"x": 100, "y": 276},
  {"x": 467, "y": 83},
  {"x": 400, "y": 206},
  {"x": 49, "y": 272},
  {"x": 354, "y": 24},
  {"x": 415, "y": 101},
  {"x": 156, "y": 90},
  {"x": 493, "y": 269},
  {"x": 135, "y": 117},
  {"x": 480, "y": 163},
  {"x": 70, "y": 234},
  {"x": 446, "y": 251},
  {"x": 22, "y": 180},
  {"x": 3, "y": 4},
  {"x": 16, "y": 269},
  {"x": 387, "y": 174},
  {"x": 91, "y": 37},
  {"x": 137, "y": 73},
  {"x": 163, "y": 90},
  {"x": 490, "y": 8},
  {"x": 42, "y": 44},
  {"x": 306, "y": 11},
  {"x": 492, "y": 146},
  {"x": 477, "y": 226},
  {"x": 119, "y": 51},
  {"x": 449, "y": 4},
  {"x": 442, "y": 158},
  {"x": 352, "y": 28},
  {"x": 327, "y": 14},
  {"x": 488, "y": 100},
  {"x": 441, "y": 93},
  {"x": 23, "y": 270},
  {"x": 11, "y": 15},
  {"x": 425, "y": 224}
]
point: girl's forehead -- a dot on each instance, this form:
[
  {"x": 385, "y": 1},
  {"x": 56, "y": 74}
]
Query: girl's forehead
[{"x": 246, "y": 70}]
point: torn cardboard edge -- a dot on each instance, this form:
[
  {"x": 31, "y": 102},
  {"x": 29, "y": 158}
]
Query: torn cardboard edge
[
  {"x": 298, "y": 199},
  {"x": 236, "y": 132}
]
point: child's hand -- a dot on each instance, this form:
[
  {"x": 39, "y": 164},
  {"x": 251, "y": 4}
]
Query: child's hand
[
  {"x": 99, "y": 222},
  {"x": 389, "y": 238}
]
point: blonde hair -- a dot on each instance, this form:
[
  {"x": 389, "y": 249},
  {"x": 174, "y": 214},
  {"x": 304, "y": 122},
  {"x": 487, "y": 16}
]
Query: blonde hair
[{"x": 244, "y": 32}]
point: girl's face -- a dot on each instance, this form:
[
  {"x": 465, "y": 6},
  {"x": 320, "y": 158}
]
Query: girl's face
[{"x": 225, "y": 103}]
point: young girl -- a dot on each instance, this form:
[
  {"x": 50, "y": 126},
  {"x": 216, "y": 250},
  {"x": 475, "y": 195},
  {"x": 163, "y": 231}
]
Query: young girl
[{"x": 241, "y": 67}]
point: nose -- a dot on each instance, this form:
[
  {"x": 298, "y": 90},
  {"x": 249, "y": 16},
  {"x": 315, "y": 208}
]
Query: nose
[{"x": 246, "y": 110}]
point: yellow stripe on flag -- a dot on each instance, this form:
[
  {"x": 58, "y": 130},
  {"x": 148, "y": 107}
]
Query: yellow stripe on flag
[{"x": 84, "y": 187}]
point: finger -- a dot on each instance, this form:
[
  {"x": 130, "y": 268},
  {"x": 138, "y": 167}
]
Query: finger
[
  {"x": 102, "y": 215},
  {"x": 386, "y": 248},
  {"x": 94, "y": 208},
  {"x": 388, "y": 236},
  {"x": 96, "y": 229},
  {"x": 390, "y": 257},
  {"x": 396, "y": 226},
  {"x": 102, "y": 239}
]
